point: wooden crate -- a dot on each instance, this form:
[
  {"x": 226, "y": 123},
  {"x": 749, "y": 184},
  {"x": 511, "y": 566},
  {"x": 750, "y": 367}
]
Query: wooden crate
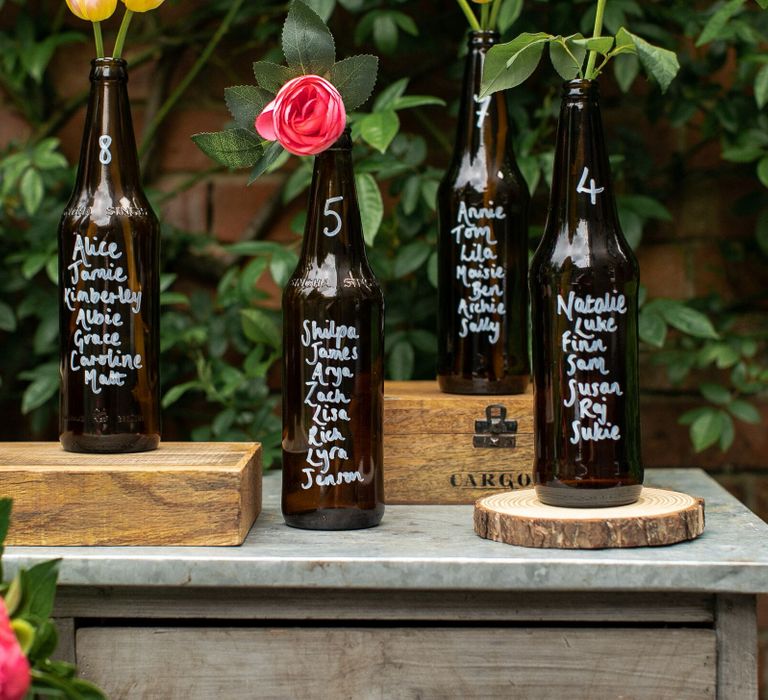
[
  {"x": 180, "y": 494},
  {"x": 434, "y": 453}
]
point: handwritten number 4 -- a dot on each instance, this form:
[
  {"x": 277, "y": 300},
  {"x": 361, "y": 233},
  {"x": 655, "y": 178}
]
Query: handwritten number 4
[
  {"x": 592, "y": 190},
  {"x": 327, "y": 211}
]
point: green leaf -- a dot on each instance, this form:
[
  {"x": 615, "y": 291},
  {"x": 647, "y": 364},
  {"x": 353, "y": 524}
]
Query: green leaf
[
  {"x": 411, "y": 101},
  {"x": 282, "y": 265},
  {"x": 688, "y": 320},
  {"x": 245, "y": 103},
  {"x": 272, "y": 76},
  {"x": 260, "y": 328},
  {"x": 378, "y": 129},
  {"x": 176, "y": 392},
  {"x": 38, "y": 392},
  {"x": 762, "y": 171},
  {"x": 567, "y": 56},
  {"x": 706, "y": 429},
  {"x": 763, "y": 4},
  {"x": 508, "y": 65},
  {"x": 600, "y": 44},
  {"x": 307, "y": 43},
  {"x": 387, "y": 97},
  {"x": 660, "y": 64},
  {"x": 371, "y": 205},
  {"x": 324, "y": 8},
  {"x": 235, "y": 148},
  {"x": 355, "y": 78},
  {"x": 32, "y": 190},
  {"x": 761, "y": 86},
  {"x": 6, "y": 505},
  {"x": 270, "y": 155},
  {"x": 509, "y": 13},
  {"x": 715, "y": 393},
  {"x": 713, "y": 29},
  {"x": 385, "y": 32},
  {"x": 7, "y": 318},
  {"x": 39, "y": 584},
  {"x": 744, "y": 411},
  {"x": 401, "y": 361},
  {"x": 728, "y": 433},
  {"x": 411, "y": 257},
  {"x": 652, "y": 328},
  {"x": 625, "y": 69}
]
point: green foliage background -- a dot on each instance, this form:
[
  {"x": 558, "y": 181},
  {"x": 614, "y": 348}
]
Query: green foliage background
[{"x": 220, "y": 338}]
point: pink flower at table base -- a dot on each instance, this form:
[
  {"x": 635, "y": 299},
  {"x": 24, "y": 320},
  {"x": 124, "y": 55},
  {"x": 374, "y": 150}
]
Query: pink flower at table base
[
  {"x": 14, "y": 667},
  {"x": 306, "y": 117}
]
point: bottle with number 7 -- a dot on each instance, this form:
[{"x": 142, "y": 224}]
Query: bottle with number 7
[
  {"x": 333, "y": 381},
  {"x": 584, "y": 286}
]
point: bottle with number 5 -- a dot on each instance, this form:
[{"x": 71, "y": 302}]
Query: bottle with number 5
[{"x": 333, "y": 381}]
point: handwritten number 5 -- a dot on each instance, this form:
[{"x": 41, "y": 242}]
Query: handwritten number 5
[{"x": 327, "y": 211}]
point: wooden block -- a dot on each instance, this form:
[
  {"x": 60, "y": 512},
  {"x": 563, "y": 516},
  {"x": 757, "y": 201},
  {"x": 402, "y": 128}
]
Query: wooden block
[
  {"x": 180, "y": 494},
  {"x": 430, "y": 452},
  {"x": 658, "y": 517},
  {"x": 316, "y": 663}
]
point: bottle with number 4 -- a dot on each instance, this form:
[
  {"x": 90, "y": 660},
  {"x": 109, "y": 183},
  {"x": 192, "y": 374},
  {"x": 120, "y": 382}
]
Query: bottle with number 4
[{"x": 584, "y": 286}]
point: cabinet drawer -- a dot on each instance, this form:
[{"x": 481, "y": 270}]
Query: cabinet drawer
[{"x": 441, "y": 662}]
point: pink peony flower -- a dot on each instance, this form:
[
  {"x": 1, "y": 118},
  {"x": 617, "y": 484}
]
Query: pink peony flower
[
  {"x": 306, "y": 117},
  {"x": 14, "y": 667}
]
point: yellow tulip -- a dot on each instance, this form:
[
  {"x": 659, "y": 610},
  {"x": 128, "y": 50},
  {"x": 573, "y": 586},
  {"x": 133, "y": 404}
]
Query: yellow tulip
[
  {"x": 92, "y": 10},
  {"x": 142, "y": 5}
]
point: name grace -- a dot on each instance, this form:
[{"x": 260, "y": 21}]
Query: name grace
[
  {"x": 479, "y": 271},
  {"x": 332, "y": 350},
  {"x": 98, "y": 337},
  {"x": 584, "y": 351}
]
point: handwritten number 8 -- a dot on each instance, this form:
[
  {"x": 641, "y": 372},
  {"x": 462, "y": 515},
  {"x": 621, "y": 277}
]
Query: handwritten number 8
[
  {"x": 327, "y": 211},
  {"x": 105, "y": 156}
]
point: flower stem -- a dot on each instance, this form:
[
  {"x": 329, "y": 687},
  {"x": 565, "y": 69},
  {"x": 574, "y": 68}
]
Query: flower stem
[
  {"x": 495, "y": 9},
  {"x": 120, "y": 41},
  {"x": 485, "y": 16},
  {"x": 471, "y": 18},
  {"x": 591, "y": 74},
  {"x": 99, "y": 39}
]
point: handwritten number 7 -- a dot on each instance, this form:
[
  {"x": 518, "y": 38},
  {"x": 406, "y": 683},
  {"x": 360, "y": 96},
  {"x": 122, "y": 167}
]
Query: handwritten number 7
[{"x": 327, "y": 211}]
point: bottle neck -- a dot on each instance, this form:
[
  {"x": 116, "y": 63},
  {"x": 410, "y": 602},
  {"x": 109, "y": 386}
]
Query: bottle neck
[
  {"x": 581, "y": 181},
  {"x": 108, "y": 155},
  {"x": 483, "y": 123},
  {"x": 333, "y": 227}
]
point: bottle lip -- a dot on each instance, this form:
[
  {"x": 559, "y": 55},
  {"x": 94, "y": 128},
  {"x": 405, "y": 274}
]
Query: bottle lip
[
  {"x": 109, "y": 68},
  {"x": 482, "y": 37},
  {"x": 580, "y": 88},
  {"x": 343, "y": 143}
]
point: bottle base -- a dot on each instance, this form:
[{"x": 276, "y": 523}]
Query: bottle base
[
  {"x": 450, "y": 384},
  {"x": 335, "y": 519},
  {"x": 580, "y": 497},
  {"x": 108, "y": 444}
]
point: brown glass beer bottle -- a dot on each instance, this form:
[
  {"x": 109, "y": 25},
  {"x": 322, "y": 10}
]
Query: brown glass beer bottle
[
  {"x": 584, "y": 286},
  {"x": 482, "y": 207},
  {"x": 109, "y": 242},
  {"x": 333, "y": 384}
]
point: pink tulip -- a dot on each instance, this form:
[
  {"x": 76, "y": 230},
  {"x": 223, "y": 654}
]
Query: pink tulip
[
  {"x": 14, "y": 667},
  {"x": 306, "y": 117}
]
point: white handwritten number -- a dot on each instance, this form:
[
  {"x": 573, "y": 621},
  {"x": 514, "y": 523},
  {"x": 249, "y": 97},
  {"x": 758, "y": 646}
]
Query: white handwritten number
[
  {"x": 592, "y": 190},
  {"x": 105, "y": 156},
  {"x": 327, "y": 211},
  {"x": 482, "y": 113}
]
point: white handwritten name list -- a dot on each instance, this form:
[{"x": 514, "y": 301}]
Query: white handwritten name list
[
  {"x": 96, "y": 290},
  {"x": 585, "y": 344},
  {"x": 480, "y": 306},
  {"x": 331, "y": 353}
]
